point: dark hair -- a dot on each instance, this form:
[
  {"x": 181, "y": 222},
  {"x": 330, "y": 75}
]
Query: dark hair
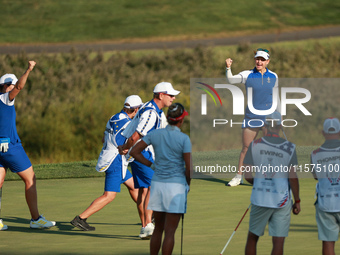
[
  {"x": 175, "y": 110},
  {"x": 261, "y": 49},
  {"x": 156, "y": 95}
]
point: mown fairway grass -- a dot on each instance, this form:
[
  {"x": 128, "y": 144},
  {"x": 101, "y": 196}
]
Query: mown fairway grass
[
  {"x": 213, "y": 213},
  {"x": 33, "y": 21}
]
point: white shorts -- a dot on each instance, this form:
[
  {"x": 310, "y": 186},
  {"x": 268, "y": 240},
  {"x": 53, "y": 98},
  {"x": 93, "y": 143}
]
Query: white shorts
[
  {"x": 168, "y": 197},
  {"x": 328, "y": 224}
]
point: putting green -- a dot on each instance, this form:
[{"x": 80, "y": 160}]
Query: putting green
[{"x": 213, "y": 213}]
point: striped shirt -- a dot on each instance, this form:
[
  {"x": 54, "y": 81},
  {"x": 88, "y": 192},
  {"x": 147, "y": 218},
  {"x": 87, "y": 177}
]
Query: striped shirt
[{"x": 149, "y": 118}]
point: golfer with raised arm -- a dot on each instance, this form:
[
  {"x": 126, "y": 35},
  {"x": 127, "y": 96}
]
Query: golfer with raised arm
[
  {"x": 170, "y": 183},
  {"x": 273, "y": 160},
  {"x": 326, "y": 164},
  {"x": 262, "y": 81},
  {"x": 12, "y": 154}
]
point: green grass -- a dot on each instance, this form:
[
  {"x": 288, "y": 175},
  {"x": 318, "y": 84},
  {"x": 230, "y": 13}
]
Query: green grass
[
  {"x": 213, "y": 213},
  {"x": 34, "y": 21}
]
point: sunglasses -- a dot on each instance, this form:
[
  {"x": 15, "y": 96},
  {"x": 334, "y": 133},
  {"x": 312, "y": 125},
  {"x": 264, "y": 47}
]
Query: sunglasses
[{"x": 265, "y": 50}]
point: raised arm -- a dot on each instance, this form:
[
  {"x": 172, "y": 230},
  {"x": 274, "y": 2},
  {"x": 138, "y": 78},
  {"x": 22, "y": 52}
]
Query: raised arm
[
  {"x": 232, "y": 79},
  {"x": 22, "y": 81}
]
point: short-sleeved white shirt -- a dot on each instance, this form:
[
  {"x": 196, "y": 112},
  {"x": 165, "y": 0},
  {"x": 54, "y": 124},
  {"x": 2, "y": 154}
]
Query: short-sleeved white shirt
[
  {"x": 149, "y": 119},
  {"x": 169, "y": 144}
]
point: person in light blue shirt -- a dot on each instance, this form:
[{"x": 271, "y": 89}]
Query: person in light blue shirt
[{"x": 171, "y": 180}]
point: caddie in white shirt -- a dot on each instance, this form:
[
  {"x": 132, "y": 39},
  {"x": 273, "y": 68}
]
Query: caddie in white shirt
[
  {"x": 149, "y": 117},
  {"x": 272, "y": 159},
  {"x": 325, "y": 166}
]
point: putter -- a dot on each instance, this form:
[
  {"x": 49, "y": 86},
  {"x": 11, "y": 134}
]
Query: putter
[
  {"x": 235, "y": 230},
  {"x": 182, "y": 235}
]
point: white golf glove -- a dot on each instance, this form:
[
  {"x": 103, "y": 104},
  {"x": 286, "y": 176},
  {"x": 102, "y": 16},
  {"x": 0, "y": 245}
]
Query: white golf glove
[{"x": 4, "y": 147}]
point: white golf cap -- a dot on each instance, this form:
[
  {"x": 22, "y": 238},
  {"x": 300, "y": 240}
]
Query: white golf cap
[
  {"x": 331, "y": 126},
  {"x": 134, "y": 101},
  {"x": 8, "y": 79},
  {"x": 263, "y": 54},
  {"x": 273, "y": 119},
  {"x": 166, "y": 88}
]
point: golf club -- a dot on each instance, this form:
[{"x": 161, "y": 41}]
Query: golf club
[
  {"x": 235, "y": 230},
  {"x": 182, "y": 234}
]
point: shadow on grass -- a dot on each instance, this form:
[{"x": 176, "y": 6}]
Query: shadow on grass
[
  {"x": 63, "y": 228},
  {"x": 303, "y": 228}
]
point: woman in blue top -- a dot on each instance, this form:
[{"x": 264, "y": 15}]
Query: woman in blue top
[
  {"x": 262, "y": 81},
  {"x": 12, "y": 154},
  {"x": 171, "y": 180}
]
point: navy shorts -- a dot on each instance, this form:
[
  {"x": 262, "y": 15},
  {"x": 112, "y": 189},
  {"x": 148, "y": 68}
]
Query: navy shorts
[
  {"x": 114, "y": 176},
  {"x": 142, "y": 174},
  {"x": 15, "y": 158}
]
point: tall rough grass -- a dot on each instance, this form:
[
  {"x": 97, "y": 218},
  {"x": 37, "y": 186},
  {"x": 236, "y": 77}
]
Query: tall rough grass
[{"x": 62, "y": 112}]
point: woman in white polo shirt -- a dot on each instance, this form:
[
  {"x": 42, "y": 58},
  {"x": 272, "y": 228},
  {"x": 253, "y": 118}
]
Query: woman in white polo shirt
[{"x": 171, "y": 180}]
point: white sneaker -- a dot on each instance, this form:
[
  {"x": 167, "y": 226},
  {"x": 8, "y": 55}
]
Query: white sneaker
[
  {"x": 142, "y": 233},
  {"x": 235, "y": 181},
  {"x": 42, "y": 223},
  {"x": 149, "y": 230},
  {"x": 2, "y": 226}
]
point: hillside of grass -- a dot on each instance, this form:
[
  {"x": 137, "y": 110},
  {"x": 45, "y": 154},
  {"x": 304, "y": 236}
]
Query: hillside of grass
[
  {"x": 33, "y": 21},
  {"x": 62, "y": 112}
]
